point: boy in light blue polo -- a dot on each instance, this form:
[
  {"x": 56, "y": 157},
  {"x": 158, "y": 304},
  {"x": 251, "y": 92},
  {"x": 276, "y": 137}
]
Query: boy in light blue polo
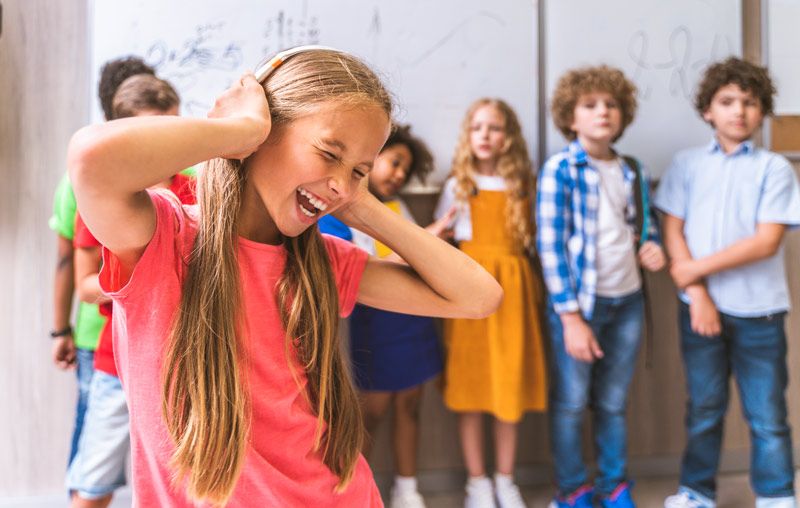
[{"x": 727, "y": 206}]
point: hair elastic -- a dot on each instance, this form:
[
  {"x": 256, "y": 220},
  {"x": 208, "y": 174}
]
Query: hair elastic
[{"x": 268, "y": 65}]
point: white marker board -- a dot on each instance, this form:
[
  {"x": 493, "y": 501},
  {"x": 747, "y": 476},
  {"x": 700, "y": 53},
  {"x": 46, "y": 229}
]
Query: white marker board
[
  {"x": 663, "y": 46},
  {"x": 436, "y": 57}
]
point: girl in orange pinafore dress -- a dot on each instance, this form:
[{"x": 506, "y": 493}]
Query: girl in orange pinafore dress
[{"x": 494, "y": 365}]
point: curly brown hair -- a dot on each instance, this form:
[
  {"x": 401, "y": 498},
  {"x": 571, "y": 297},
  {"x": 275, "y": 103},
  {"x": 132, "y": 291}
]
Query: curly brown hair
[
  {"x": 421, "y": 158},
  {"x": 113, "y": 74},
  {"x": 748, "y": 76},
  {"x": 585, "y": 80},
  {"x": 514, "y": 166}
]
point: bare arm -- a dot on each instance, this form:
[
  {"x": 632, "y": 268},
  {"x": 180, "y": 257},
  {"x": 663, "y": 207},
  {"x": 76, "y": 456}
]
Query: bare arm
[
  {"x": 87, "y": 270},
  {"x": 112, "y": 164},
  {"x": 439, "y": 281},
  {"x": 63, "y": 348},
  {"x": 763, "y": 244},
  {"x": 704, "y": 314}
]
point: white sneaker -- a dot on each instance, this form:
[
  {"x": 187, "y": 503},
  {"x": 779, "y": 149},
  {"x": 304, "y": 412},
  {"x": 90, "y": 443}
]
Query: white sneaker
[
  {"x": 684, "y": 499},
  {"x": 406, "y": 500},
  {"x": 509, "y": 497},
  {"x": 480, "y": 494},
  {"x": 776, "y": 502}
]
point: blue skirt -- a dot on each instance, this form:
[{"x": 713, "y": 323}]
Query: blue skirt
[{"x": 392, "y": 352}]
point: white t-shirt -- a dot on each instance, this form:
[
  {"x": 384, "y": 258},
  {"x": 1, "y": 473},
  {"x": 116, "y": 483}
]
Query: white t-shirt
[
  {"x": 462, "y": 224},
  {"x": 617, "y": 271}
]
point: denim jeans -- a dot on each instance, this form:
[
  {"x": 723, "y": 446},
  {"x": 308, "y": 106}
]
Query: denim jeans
[
  {"x": 84, "y": 373},
  {"x": 754, "y": 350},
  {"x": 601, "y": 386}
]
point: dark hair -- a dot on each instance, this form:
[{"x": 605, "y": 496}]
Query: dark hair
[
  {"x": 749, "y": 77},
  {"x": 143, "y": 92},
  {"x": 113, "y": 74},
  {"x": 421, "y": 158},
  {"x": 577, "y": 82}
]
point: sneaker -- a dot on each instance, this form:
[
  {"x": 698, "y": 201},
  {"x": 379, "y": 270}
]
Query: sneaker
[
  {"x": 581, "y": 498},
  {"x": 619, "y": 498},
  {"x": 480, "y": 494},
  {"x": 686, "y": 498},
  {"x": 509, "y": 497},
  {"x": 406, "y": 500}
]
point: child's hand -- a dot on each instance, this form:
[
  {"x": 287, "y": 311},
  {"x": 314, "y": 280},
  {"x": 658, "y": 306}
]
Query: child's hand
[
  {"x": 64, "y": 352},
  {"x": 652, "y": 257},
  {"x": 685, "y": 273},
  {"x": 704, "y": 315},
  {"x": 356, "y": 210},
  {"x": 443, "y": 227},
  {"x": 245, "y": 99},
  {"x": 579, "y": 340}
]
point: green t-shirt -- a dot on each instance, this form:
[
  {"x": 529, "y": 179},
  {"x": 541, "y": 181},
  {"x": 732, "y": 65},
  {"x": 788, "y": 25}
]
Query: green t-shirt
[{"x": 89, "y": 322}]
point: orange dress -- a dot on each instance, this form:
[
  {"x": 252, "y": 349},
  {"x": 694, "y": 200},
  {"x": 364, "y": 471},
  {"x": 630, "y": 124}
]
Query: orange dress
[{"x": 497, "y": 364}]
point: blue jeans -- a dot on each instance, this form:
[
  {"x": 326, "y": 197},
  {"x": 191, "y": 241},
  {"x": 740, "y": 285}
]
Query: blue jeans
[
  {"x": 754, "y": 350},
  {"x": 84, "y": 373},
  {"x": 601, "y": 386}
]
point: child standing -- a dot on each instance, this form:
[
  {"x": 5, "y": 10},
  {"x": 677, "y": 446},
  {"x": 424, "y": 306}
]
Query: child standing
[
  {"x": 494, "y": 365},
  {"x": 393, "y": 354},
  {"x": 75, "y": 348},
  {"x": 727, "y": 206},
  {"x": 99, "y": 465},
  {"x": 226, "y": 313},
  {"x": 595, "y": 228}
]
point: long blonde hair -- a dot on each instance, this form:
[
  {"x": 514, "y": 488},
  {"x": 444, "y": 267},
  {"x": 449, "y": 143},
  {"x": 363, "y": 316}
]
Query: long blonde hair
[
  {"x": 205, "y": 396},
  {"x": 513, "y": 165}
]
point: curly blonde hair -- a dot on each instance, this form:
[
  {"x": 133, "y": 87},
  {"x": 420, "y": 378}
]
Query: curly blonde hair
[
  {"x": 514, "y": 166},
  {"x": 585, "y": 80}
]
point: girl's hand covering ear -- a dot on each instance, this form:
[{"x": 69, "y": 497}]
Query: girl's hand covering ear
[{"x": 246, "y": 102}]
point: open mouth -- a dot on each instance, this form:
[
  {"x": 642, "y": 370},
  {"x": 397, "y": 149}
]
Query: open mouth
[{"x": 310, "y": 205}]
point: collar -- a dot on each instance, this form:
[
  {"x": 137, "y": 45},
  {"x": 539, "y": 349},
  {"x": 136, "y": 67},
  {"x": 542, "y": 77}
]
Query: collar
[
  {"x": 576, "y": 155},
  {"x": 745, "y": 148}
]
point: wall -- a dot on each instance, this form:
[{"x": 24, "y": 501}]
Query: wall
[{"x": 44, "y": 64}]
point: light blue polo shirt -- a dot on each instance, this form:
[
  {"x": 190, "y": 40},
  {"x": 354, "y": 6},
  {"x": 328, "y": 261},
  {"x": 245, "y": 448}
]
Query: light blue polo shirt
[{"x": 722, "y": 198}]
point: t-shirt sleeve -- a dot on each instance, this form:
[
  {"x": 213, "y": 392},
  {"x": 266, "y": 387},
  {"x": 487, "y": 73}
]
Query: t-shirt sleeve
[
  {"x": 446, "y": 199},
  {"x": 84, "y": 238},
  {"x": 64, "y": 209},
  {"x": 672, "y": 194},
  {"x": 780, "y": 195},
  {"x": 348, "y": 263},
  {"x": 163, "y": 258}
]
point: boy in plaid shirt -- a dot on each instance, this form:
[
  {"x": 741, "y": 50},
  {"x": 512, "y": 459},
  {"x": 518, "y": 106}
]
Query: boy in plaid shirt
[{"x": 595, "y": 229}]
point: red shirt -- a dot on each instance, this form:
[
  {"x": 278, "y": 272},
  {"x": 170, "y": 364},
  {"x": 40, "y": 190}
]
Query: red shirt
[
  {"x": 183, "y": 187},
  {"x": 281, "y": 468}
]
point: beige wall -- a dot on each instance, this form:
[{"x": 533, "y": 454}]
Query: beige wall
[{"x": 43, "y": 84}]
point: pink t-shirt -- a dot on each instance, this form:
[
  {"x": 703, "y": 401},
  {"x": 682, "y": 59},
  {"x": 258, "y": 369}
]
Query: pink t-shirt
[{"x": 280, "y": 468}]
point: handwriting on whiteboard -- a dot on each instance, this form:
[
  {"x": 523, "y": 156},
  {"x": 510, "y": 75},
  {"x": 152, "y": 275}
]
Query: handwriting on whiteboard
[{"x": 684, "y": 62}]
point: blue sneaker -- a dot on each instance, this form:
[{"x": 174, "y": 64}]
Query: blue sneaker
[
  {"x": 581, "y": 498},
  {"x": 619, "y": 498}
]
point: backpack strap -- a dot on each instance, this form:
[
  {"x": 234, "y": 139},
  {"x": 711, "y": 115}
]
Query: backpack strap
[
  {"x": 641, "y": 228},
  {"x": 642, "y": 224}
]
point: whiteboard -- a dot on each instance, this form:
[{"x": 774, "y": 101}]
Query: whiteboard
[
  {"x": 435, "y": 57},
  {"x": 663, "y": 46},
  {"x": 783, "y": 53}
]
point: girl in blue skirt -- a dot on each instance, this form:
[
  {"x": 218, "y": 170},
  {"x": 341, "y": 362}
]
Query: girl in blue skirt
[{"x": 393, "y": 354}]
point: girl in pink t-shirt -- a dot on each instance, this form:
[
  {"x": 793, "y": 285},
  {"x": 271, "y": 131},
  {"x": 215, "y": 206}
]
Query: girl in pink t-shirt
[{"x": 225, "y": 314}]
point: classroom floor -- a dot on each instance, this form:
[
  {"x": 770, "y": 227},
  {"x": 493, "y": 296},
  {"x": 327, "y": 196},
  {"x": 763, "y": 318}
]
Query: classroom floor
[{"x": 734, "y": 492}]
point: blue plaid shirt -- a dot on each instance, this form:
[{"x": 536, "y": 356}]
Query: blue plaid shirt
[{"x": 567, "y": 200}]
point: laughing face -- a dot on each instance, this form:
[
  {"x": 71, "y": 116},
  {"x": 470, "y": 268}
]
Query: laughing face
[{"x": 312, "y": 166}]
